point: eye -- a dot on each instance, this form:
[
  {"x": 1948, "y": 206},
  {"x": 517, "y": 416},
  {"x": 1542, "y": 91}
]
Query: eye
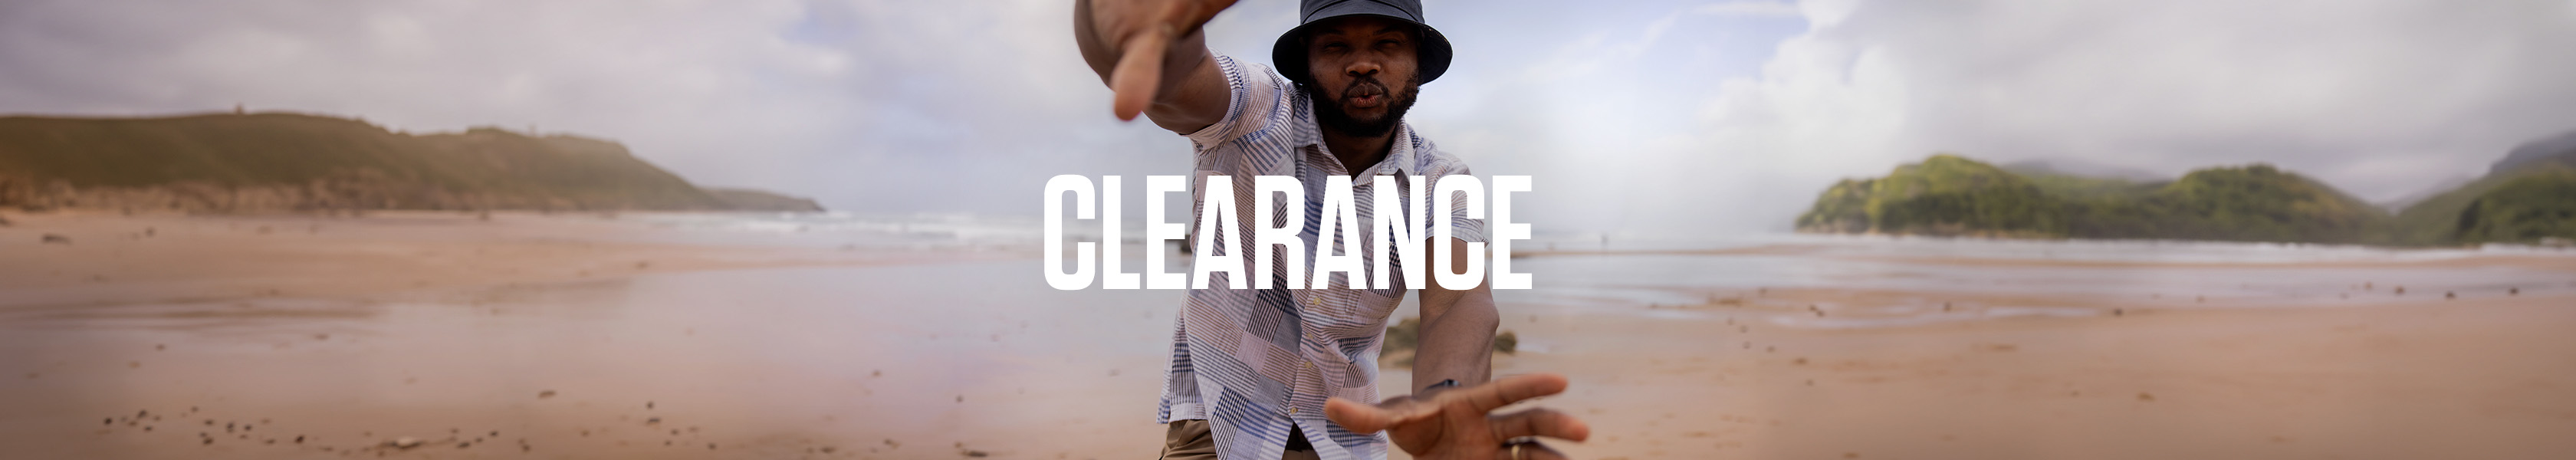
[{"x": 1388, "y": 43}]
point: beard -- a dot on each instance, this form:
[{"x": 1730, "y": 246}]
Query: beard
[{"x": 1330, "y": 113}]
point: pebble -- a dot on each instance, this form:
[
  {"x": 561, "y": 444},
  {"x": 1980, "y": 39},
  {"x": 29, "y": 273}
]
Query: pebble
[{"x": 405, "y": 442}]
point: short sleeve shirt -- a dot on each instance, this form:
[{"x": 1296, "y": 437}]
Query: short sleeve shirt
[{"x": 1255, "y": 363}]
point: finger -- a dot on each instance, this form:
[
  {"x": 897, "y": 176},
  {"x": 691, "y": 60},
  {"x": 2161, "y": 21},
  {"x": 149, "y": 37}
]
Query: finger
[
  {"x": 1505, "y": 391},
  {"x": 1359, "y": 418},
  {"x": 1364, "y": 418},
  {"x": 1202, "y": 11},
  {"x": 1531, "y": 451},
  {"x": 1540, "y": 422},
  {"x": 1139, "y": 73}
]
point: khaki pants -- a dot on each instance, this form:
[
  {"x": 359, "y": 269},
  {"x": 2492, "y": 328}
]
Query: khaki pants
[{"x": 1189, "y": 440}]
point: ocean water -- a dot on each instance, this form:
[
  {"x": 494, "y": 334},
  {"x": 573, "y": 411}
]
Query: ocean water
[{"x": 1616, "y": 273}]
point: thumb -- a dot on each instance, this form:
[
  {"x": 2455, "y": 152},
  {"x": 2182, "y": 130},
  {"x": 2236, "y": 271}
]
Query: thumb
[{"x": 1139, "y": 73}]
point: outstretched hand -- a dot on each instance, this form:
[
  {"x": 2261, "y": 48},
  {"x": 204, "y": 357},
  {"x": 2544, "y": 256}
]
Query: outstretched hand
[
  {"x": 1458, "y": 424},
  {"x": 1143, "y": 32}
]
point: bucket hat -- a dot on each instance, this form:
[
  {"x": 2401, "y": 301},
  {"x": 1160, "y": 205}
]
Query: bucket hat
[{"x": 1289, "y": 54}]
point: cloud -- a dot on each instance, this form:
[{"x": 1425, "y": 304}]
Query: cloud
[
  {"x": 1672, "y": 116},
  {"x": 2380, "y": 98},
  {"x": 1750, "y": 8},
  {"x": 863, "y": 103}
]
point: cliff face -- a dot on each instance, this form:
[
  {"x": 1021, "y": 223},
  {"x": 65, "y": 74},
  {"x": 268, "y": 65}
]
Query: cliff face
[{"x": 268, "y": 162}]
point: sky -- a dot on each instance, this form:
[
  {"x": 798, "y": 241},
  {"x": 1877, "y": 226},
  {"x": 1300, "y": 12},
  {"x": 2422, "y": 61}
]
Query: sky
[{"x": 1643, "y": 117}]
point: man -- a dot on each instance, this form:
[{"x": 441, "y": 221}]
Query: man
[{"x": 1287, "y": 373}]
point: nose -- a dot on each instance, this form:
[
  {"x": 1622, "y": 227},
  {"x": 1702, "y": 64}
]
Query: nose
[{"x": 1363, "y": 68}]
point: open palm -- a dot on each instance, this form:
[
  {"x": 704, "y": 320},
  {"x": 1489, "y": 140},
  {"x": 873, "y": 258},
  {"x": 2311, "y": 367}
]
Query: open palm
[{"x": 1458, "y": 424}]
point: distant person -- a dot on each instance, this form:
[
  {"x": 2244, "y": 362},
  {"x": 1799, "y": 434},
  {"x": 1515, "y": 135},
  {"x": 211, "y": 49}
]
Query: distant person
[{"x": 1290, "y": 373}]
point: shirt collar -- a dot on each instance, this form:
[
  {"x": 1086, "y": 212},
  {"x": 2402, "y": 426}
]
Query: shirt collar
[{"x": 1399, "y": 155}]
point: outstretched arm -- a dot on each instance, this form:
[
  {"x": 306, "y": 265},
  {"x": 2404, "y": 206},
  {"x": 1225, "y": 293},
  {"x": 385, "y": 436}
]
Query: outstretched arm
[
  {"x": 1154, "y": 56},
  {"x": 1457, "y": 328},
  {"x": 1458, "y": 422}
]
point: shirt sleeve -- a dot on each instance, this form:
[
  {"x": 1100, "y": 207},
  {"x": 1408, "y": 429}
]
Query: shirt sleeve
[
  {"x": 1467, "y": 229},
  {"x": 1258, "y": 100}
]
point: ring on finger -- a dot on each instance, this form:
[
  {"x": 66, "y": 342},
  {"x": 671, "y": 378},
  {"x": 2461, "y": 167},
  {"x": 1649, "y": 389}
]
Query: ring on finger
[{"x": 1519, "y": 445}]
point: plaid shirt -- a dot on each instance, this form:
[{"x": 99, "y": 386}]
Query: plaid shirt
[{"x": 1252, "y": 362}]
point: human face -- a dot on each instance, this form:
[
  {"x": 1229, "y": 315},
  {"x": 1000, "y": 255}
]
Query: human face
[{"x": 1366, "y": 72}]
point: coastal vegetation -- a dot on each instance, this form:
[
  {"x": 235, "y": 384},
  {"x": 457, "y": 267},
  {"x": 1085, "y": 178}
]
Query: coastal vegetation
[
  {"x": 286, "y": 161},
  {"x": 2530, "y": 197}
]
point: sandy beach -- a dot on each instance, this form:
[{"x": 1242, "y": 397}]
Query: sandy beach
[{"x": 447, "y": 335}]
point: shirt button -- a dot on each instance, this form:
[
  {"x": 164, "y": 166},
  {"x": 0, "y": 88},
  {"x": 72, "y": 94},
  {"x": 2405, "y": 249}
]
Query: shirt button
[
  {"x": 1314, "y": 301},
  {"x": 1305, "y": 364},
  {"x": 1292, "y": 410}
]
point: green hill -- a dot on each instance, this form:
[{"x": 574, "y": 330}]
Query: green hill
[
  {"x": 1950, "y": 195},
  {"x": 2443, "y": 218},
  {"x": 2436, "y": 219},
  {"x": 272, "y": 161},
  {"x": 2100, "y": 182},
  {"x": 2249, "y": 203},
  {"x": 2528, "y": 208},
  {"x": 1943, "y": 195}
]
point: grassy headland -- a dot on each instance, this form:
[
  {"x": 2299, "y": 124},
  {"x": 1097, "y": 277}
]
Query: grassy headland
[
  {"x": 2530, "y": 197},
  {"x": 284, "y": 161}
]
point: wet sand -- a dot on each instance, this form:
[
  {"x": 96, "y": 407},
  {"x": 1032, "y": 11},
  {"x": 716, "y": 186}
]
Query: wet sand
[
  {"x": 2469, "y": 378},
  {"x": 574, "y": 336}
]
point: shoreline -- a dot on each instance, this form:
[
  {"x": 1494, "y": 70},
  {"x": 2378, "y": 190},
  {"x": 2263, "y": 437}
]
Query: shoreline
[
  {"x": 112, "y": 259},
  {"x": 572, "y": 336}
]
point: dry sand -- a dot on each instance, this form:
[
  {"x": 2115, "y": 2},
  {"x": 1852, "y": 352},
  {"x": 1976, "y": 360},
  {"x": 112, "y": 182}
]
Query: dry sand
[{"x": 584, "y": 337}]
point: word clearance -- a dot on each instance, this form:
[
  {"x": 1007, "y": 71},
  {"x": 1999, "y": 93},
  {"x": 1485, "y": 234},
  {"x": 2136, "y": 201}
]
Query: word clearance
[{"x": 1338, "y": 223}]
